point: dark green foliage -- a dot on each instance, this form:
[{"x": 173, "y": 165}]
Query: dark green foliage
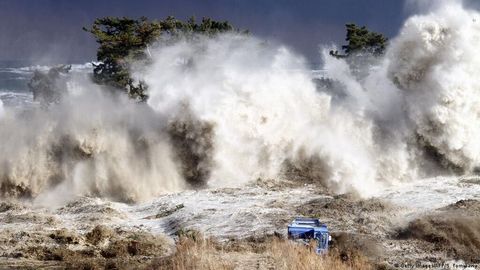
[
  {"x": 362, "y": 40},
  {"x": 208, "y": 26},
  {"x": 123, "y": 41}
]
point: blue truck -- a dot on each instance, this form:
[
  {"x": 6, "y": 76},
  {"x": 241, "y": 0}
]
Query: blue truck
[{"x": 308, "y": 229}]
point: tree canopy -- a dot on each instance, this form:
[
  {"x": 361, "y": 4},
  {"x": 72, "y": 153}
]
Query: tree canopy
[
  {"x": 124, "y": 40},
  {"x": 362, "y": 40}
]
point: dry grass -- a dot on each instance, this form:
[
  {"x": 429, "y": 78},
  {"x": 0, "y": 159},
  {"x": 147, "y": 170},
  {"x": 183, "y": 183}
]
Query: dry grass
[
  {"x": 200, "y": 253},
  {"x": 291, "y": 255},
  {"x": 194, "y": 253}
]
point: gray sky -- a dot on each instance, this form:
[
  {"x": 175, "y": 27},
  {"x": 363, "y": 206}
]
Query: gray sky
[{"x": 37, "y": 30}]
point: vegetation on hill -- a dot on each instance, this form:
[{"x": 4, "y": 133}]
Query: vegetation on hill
[
  {"x": 362, "y": 40},
  {"x": 123, "y": 41}
]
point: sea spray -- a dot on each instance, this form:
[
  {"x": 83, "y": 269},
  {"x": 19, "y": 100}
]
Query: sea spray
[
  {"x": 91, "y": 143},
  {"x": 265, "y": 111},
  {"x": 2, "y": 110},
  {"x": 221, "y": 112},
  {"x": 434, "y": 61},
  {"x": 227, "y": 110}
]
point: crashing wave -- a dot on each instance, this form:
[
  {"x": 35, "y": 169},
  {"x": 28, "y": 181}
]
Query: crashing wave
[{"x": 227, "y": 110}]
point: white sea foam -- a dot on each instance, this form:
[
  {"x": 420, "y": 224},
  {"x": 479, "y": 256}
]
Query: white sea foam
[{"x": 224, "y": 111}]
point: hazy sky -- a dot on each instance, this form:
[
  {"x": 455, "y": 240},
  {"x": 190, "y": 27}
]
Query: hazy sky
[{"x": 46, "y": 29}]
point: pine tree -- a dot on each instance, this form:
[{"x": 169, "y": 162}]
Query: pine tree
[
  {"x": 362, "y": 40},
  {"x": 123, "y": 41}
]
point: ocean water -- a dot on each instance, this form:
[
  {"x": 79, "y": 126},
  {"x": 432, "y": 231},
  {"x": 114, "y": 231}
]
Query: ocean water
[{"x": 14, "y": 77}]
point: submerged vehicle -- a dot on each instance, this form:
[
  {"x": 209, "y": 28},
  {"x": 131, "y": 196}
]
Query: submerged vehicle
[{"x": 308, "y": 229}]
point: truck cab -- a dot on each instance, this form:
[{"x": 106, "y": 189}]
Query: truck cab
[{"x": 306, "y": 229}]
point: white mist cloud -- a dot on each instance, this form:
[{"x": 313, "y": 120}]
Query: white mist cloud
[
  {"x": 224, "y": 111},
  {"x": 434, "y": 61},
  {"x": 2, "y": 110},
  {"x": 265, "y": 110}
]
